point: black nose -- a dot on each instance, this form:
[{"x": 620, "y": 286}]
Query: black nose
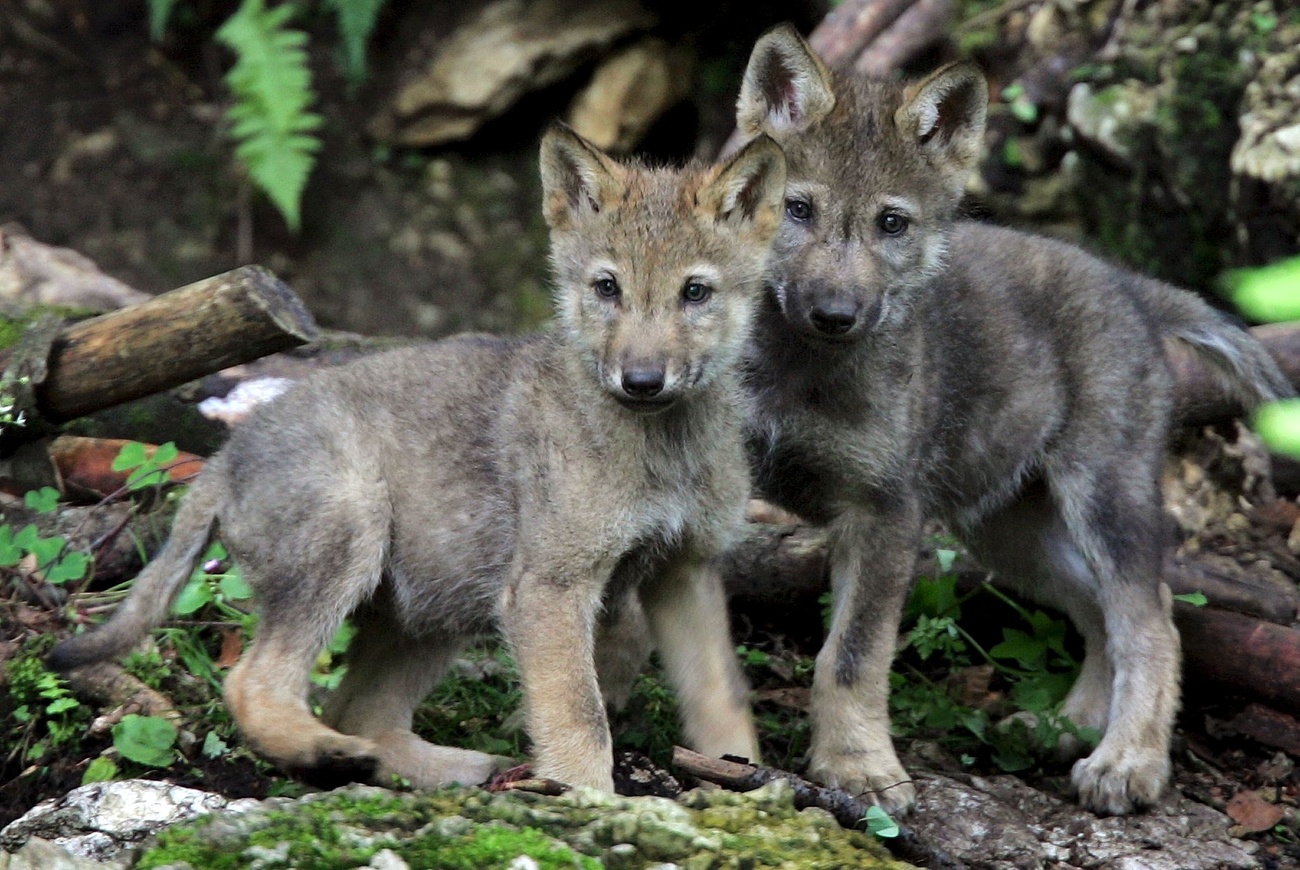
[
  {"x": 833, "y": 318},
  {"x": 643, "y": 383}
]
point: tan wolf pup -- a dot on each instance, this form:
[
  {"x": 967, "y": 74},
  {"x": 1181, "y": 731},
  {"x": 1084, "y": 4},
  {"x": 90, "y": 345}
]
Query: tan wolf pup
[
  {"x": 909, "y": 365},
  {"x": 524, "y": 484}
]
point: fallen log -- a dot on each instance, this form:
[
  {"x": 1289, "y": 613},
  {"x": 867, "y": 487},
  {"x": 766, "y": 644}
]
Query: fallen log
[
  {"x": 782, "y": 570},
  {"x": 167, "y": 341},
  {"x": 1246, "y": 655}
]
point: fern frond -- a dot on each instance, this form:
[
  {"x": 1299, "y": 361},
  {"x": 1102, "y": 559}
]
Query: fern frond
[
  {"x": 160, "y": 12},
  {"x": 356, "y": 21},
  {"x": 272, "y": 87}
]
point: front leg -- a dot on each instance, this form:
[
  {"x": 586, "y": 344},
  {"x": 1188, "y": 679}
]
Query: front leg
[
  {"x": 548, "y": 618},
  {"x": 872, "y": 555},
  {"x": 687, "y": 611}
]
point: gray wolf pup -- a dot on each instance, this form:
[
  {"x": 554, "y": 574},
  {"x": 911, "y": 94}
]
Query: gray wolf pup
[
  {"x": 524, "y": 484},
  {"x": 908, "y": 364}
]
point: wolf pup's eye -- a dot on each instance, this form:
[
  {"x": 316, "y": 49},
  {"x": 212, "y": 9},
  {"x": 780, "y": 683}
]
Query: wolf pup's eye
[
  {"x": 798, "y": 209},
  {"x": 694, "y": 292},
  {"x": 606, "y": 288},
  {"x": 892, "y": 223}
]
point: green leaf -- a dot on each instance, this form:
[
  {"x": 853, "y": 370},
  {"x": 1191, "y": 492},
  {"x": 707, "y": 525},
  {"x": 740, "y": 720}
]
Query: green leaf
[
  {"x": 1268, "y": 293},
  {"x": 102, "y": 769},
  {"x": 234, "y": 586},
  {"x": 1196, "y": 599},
  {"x": 272, "y": 87},
  {"x": 160, "y": 12},
  {"x": 27, "y": 537},
  {"x": 72, "y": 566},
  {"x": 61, "y": 705},
  {"x": 145, "y": 739},
  {"x": 214, "y": 746},
  {"x": 1016, "y": 644},
  {"x": 47, "y": 550},
  {"x": 945, "y": 558},
  {"x": 131, "y": 455},
  {"x": 43, "y": 500},
  {"x": 880, "y": 824},
  {"x": 1278, "y": 423},
  {"x": 356, "y": 21},
  {"x": 195, "y": 595},
  {"x": 10, "y": 553}
]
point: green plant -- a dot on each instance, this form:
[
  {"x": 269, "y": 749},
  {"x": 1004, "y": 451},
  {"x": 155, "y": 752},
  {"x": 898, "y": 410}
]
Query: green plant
[
  {"x": 270, "y": 119},
  {"x": 1032, "y": 661},
  {"x": 147, "y": 740},
  {"x": 1271, "y": 293},
  {"x": 46, "y": 717}
]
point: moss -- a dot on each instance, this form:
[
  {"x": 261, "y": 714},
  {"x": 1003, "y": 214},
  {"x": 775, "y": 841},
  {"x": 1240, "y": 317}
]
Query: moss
[
  {"x": 471, "y": 829},
  {"x": 1176, "y": 198},
  {"x": 13, "y": 321}
]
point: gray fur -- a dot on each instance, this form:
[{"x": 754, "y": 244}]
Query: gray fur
[
  {"x": 442, "y": 491},
  {"x": 1009, "y": 384}
]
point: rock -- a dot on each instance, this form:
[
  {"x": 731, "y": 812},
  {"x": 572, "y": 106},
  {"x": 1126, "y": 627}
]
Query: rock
[
  {"x": 1000, "y": 823},
  {"x": 99, "y": 821},
  {"x": 629, "y": 91},
  {"x": 34, "y": 273},
  {"x": 39, "y": 854},
  {"x": 1112, "y": 119},
  {"x": 510, "y": 48}
]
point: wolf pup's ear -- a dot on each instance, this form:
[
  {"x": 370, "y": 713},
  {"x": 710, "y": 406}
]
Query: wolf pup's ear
[
  {"x": 786, "y": 87},
  {"x": 748, "y": 188},
  {"x": 944, "y": 113},
  {"x": 578, "y": 179}
]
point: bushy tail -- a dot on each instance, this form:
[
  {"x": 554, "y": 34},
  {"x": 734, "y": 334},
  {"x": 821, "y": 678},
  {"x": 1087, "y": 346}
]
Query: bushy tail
[
  {"x": 154, "y": 589},
  {"x": 1241, "y": 364}
]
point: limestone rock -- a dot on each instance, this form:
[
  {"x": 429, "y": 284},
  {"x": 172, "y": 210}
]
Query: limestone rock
[
  {"x": 510, "y": 48},
  {"x": 629, "y": 91},
  {"x": 99, "y": 821}
]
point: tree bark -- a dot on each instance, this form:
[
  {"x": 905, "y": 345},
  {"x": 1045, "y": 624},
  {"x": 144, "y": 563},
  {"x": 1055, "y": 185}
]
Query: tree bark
[{"x": 169, "y": 340}]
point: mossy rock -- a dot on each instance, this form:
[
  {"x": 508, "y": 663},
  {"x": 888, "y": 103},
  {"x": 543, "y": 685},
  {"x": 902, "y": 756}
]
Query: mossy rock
[{"x": 472, "y": 829}]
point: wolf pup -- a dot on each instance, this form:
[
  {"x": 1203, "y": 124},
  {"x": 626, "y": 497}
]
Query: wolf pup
[
  {"x": 523, "y": 484},
  {"x": 908, "y": 364}
]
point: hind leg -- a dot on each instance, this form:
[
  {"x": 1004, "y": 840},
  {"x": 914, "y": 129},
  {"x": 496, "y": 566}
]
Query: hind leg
[
  {"x": 687, "y": 611},
  {"x": 308, "y": 577},
  {"x": 1112, "y": 511},
  {"x": 389, "y": 674},
  {"x": 266, "y": 692}
]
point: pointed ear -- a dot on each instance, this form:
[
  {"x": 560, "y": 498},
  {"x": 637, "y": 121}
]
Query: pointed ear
[
  {"x": 786, "y": 87},
  {"x": 578, "y": 179},
  {"x": 748, "y": 188},
  {"x": 945, "y": 114}
]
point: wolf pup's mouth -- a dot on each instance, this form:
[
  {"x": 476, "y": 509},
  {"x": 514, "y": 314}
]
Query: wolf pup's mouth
[{"x": 646, "y": 406}]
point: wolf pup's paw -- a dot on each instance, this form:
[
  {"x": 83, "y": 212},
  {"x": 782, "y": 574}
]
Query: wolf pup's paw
[
  {"x": 879, "y": 781},
  {"x": 1119, "y": 782}
]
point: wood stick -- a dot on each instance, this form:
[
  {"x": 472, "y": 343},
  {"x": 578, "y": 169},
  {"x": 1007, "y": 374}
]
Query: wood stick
[
  {"x": 169, "y": 340},
  {"x": 848, "y": 810},
  {"x": 852, "y": 26},
  {"x": 1246, "y": 655},
  {"x": 920, "y": 26}
]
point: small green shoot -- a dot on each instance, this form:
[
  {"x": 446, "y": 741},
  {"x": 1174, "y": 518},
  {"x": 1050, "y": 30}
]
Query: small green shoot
[
  {"x": 880, "y": 824},
  {"x": 1019, "y": 104},
  {"x": 1196, "y": 599}
]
